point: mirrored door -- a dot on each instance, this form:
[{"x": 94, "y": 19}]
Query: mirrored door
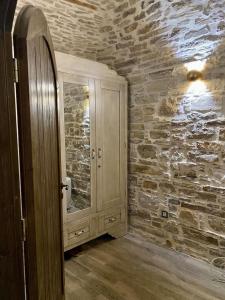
[{"x": 79, "y": 152}]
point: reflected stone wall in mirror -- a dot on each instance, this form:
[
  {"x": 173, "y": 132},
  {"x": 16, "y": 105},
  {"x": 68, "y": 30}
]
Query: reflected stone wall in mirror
[{"x": 77, "y": 146}]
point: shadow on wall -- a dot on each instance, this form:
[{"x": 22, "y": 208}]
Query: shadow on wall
[{"x": 176, "y": 128}]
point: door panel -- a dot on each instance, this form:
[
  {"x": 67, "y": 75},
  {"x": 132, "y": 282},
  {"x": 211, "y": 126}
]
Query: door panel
[
  {"x": 110, "y": 144},
  {"x": 78, "y": 157},
  {"x": 12, "y": 284},
  {"x": 77, "y": 146},
  {"x": 40, "y": 155}
]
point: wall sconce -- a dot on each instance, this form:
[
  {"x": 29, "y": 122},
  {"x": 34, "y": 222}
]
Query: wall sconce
[
  {"x": 195, "y": 70},
  {"x": 194, "y": 75}
]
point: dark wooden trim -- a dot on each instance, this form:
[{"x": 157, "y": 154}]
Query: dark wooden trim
[{"x": 11, "y": 253}]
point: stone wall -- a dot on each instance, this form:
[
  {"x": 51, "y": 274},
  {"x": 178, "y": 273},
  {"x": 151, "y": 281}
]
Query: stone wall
[
  {"x": 75, "y": 29},
  {"x": 77, "y": 142},
  {"x": 176, "y": 129}
]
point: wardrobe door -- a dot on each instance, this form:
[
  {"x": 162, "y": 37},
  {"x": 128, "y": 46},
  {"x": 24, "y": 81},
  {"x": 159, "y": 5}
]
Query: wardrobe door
[
  {"x": 111, "y": 144},
  {"x": 78, "y": 144},
  {"x": 78, "y": 155}
]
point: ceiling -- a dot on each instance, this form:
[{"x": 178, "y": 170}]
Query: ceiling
[{"x": 75, "y": 25}]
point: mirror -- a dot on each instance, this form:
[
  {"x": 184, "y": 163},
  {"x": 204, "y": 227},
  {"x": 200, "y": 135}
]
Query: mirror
[{"x": 77, "y": 146}]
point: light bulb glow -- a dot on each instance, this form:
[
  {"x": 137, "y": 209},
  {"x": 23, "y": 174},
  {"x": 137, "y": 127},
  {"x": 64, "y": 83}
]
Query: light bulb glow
[
  {"x": 197, "y": 87},
  {"x": 196, "y": 65}
]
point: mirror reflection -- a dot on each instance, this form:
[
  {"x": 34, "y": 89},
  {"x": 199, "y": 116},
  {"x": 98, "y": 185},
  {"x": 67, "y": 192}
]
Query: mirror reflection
[{"x": 77, "y": 146}]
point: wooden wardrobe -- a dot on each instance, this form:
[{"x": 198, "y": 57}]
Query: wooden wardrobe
[{"x": 93, "y": 114}]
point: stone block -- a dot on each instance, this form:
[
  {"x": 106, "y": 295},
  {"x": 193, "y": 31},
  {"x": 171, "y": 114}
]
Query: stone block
[
  {"x": 159, "y": 134},
  {"x": 131, "y": 27},
  {"x": 199, "y": 236},
  {"x": 172, "y": 227},
  {"x": 147, "y": 151},
  {"x": 188, "y": 216},
  {"x": 167, "y": 187},
  {"x": 153, "y": 8},
  {"x": 147, "y": 184}
]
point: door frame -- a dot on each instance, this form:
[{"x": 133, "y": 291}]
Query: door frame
[{"x": 12, "y": 282}]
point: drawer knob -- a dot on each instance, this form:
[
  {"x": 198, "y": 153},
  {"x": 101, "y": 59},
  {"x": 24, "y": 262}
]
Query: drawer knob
[
  {"x": 111, "y": 220},
  {"x": 79, "y": 232}
]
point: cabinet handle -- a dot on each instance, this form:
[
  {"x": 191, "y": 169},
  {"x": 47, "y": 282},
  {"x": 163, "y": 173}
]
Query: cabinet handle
[
  {"x": 99, "y": 153},
  {"x": 111, "y": 220},
  {"x": 93, "y": 154},
  {"x": 79, "y": 232}
]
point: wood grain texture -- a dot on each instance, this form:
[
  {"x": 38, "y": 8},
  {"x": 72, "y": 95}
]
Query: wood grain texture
[
  {"x": 110, "y": 145},
  {"x": 108, "y": 123},
  {"x": 132, "y": 269},
  {"x": 11, "y": 254},
  {"x": 40, "y": 155}
]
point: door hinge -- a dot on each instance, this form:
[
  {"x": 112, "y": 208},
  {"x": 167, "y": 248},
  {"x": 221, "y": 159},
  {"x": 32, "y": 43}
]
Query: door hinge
[
  {"x": 23, "y": 227},
  {"x": 15, "y": 67}
]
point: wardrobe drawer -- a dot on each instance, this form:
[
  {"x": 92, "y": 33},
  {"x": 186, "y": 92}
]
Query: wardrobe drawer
[
  {"x": 112, "y": 219},
  {"x": 78, "y": 232}
]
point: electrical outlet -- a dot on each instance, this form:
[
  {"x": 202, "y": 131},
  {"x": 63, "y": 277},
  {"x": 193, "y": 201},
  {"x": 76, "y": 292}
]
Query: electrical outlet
[{"x": 164, "y": 214}]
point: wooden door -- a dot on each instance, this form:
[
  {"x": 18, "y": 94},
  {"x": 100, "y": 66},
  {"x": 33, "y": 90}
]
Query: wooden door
[
  {"x": 40, "y": 155},
  {"x": 111, "y": 144},
  {"x": 11, "y": 239}
]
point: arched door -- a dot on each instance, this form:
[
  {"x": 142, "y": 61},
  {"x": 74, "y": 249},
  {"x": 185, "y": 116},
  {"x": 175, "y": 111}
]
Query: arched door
[{"x": 39, "y": 155}]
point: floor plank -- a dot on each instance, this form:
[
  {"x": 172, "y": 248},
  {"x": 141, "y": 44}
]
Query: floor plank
[{"x": 132, "y": 269}]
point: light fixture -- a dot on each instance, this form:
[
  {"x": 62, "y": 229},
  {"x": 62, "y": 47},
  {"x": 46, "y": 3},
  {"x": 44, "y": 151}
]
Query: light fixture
[
  {"x": 194, "y": 75},
  {"x": 195, "y": 70}
]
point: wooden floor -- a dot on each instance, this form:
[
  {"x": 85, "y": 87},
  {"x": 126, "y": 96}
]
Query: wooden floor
[{"x": 131, "y": 269}]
